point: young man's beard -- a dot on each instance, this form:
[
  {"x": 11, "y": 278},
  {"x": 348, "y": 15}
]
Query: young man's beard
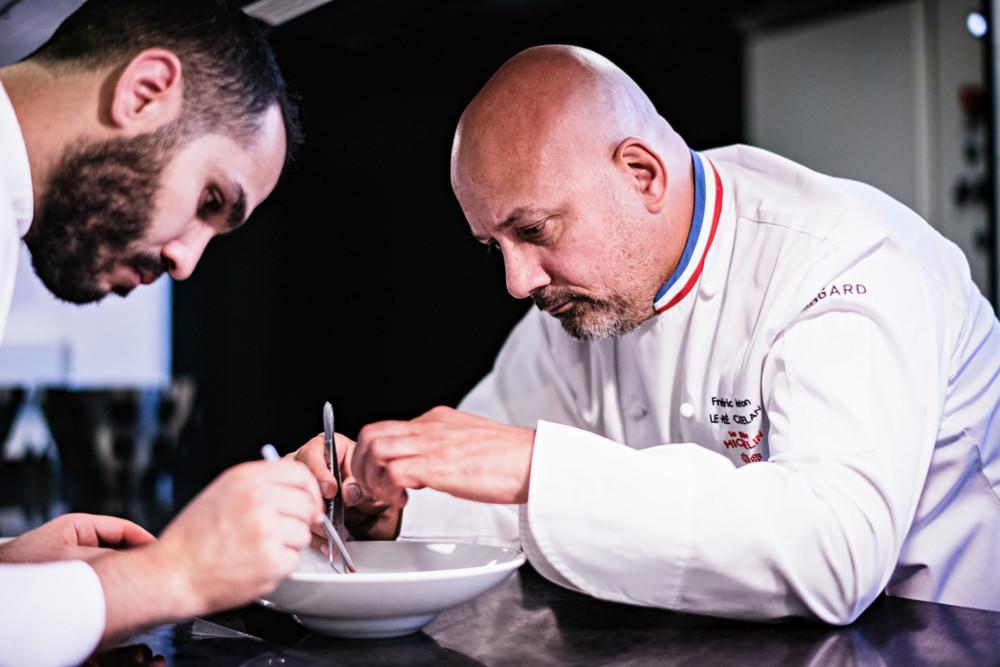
[{"x": 99, "y": 202}]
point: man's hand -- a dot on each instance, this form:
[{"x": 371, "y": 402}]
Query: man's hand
[
  {"x": 74, "y": 537},
  {"x": 455, "y": 452},
  {"x": 241, "y": 535},
  {"x": 365, "y": 518},
  {"x": 231, "y": 544}
]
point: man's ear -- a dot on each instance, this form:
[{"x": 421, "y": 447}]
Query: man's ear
[
  {"x": 646, "y": 168},
  {"x": 149, "y": 92}
]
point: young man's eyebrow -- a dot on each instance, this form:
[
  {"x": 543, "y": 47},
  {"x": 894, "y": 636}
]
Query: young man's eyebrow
[{"x": 238, "y": 209}]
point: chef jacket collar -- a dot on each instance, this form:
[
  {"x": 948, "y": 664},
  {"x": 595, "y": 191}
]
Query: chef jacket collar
[
  {"x": 15, "y": 174},
  {"x": 707, "y": 209}
]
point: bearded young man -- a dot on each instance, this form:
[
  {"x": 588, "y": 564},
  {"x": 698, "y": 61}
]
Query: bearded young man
[
  {"x": 749, "y": 390},
  {"x": 135, "y": 135}
]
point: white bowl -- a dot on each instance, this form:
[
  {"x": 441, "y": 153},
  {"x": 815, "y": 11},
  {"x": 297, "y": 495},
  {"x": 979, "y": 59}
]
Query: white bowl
[{"x": 399, "y": 586}]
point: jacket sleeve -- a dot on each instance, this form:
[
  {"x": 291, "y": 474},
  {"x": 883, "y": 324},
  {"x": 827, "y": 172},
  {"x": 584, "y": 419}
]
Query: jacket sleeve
[{"x": 51, "y": 614}]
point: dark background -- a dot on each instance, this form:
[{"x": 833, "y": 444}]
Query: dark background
[{"x": 358, "y": 281}]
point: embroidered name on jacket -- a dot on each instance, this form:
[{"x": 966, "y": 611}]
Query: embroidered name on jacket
[
  {"x": 741, "y": 418},
  {"x": 745, "y": 416}
]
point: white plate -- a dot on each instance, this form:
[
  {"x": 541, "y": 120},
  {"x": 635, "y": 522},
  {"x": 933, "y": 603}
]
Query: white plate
[{"x": 399, "y": 586}]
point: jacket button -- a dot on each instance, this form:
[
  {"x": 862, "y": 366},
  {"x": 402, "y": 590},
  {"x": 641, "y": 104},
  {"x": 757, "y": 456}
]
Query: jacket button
[
  {"x": 687, "y": 410},
  {"x": 637, "y": 411},
  {"x": 708, "y": 290}
]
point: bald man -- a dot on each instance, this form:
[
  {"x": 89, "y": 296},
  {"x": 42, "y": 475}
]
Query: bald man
[{"x": 748, "y": 390}]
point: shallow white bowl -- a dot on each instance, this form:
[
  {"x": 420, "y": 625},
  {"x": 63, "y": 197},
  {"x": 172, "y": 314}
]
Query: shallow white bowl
[{"x": 399, "y": 586}]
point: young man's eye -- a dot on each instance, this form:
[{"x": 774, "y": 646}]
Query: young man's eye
[
  {"x": 211, "y": 203},
  {"x": 492, "y": 247}
]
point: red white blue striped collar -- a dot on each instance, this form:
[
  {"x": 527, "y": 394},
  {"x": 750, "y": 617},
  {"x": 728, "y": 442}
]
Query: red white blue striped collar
[{"x": 707, "y": 210}]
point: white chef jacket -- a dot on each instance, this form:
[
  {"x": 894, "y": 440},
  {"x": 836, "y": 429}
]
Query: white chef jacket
[
  {"x": 806, "y": 422},
  {"x": 53, "y": 613}
]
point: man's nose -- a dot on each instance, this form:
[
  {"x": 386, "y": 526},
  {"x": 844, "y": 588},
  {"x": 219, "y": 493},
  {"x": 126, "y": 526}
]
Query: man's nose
[
  {"x": 181, "y": 255},
  {"x": 524, "y": 272}
]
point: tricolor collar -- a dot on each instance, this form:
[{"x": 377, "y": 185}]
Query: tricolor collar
[{"x": 707, "y": 209}]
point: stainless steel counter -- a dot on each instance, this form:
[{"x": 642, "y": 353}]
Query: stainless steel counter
[{"x": 528, "y": 621}]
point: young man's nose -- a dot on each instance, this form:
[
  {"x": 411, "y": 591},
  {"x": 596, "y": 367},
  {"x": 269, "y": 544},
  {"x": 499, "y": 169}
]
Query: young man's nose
[{"x": 182, "y": 254}]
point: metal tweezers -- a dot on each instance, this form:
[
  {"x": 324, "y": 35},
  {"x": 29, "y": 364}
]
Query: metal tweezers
[{"x": 334, "y": 519}]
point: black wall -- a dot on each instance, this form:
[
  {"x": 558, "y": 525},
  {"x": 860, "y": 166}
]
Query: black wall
[{"x": 358, "y": 281}]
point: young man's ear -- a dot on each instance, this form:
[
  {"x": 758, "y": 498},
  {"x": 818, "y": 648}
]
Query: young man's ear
[
  {"x": 646, "y": 169},
  {"x": 149, "y": 92}
]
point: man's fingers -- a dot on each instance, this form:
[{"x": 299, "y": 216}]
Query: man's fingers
[
  {"x": 107, "y": 531},
  {"x": 133, "y": 535},
  {"x": 313, "y": 455},
  {"x": 379, "y": 447},
  {"x": 387, "y": 481},
  {"x": 382, "y": 526},
  {"x": 292, "y": 502}
]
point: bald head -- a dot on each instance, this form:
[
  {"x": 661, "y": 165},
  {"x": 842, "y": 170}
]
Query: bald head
[{"x": 551, "y": 99}]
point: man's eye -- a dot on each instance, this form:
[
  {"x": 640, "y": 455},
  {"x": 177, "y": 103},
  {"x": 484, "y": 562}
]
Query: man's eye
[
  {"x": 492, "y": 247},
  {"x": 211, "y": 203},
  {"x": 533, "y": 232}
]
